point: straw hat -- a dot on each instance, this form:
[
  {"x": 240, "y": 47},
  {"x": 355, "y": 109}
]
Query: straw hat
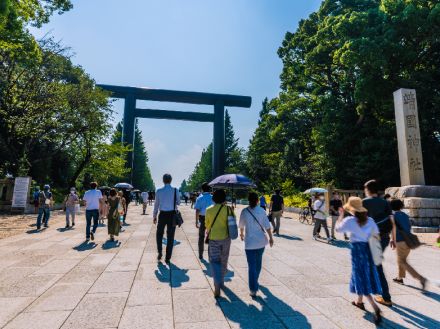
[{"x": 354, "y": 204}]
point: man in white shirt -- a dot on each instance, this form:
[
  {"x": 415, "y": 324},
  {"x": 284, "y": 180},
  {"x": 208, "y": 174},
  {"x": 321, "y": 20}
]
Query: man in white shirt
[
  {"x": 320, "y": 217},
  {"x": 167, "y": 200},
  {"x": 92, "y": 199},
  {"x": 144, "y": 196},
  {"x": 203, "y": 201}
]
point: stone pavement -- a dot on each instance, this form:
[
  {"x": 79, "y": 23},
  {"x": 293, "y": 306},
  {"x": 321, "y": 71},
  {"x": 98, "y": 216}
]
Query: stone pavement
[{"x": 54, "y": 280}]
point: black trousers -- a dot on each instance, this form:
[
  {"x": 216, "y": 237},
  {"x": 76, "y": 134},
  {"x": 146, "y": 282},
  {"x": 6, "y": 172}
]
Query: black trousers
[
  {"x": 201, "y": 235},
  {"x": 165, "y": 219}
]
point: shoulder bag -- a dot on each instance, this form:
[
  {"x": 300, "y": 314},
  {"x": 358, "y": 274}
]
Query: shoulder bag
[
  {"x": 213, "y": 222},
  {"x": 177, "y": 217},
  {"x": 259, "y": 224},
  {"x": 232, "y": 225},
  {"x": 411, "y": 240}
]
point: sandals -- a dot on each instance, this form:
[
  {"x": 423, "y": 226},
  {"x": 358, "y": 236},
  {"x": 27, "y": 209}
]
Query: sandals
[
  {"x": 377, "y": 317},
  {"x": 358, "y": 305}
]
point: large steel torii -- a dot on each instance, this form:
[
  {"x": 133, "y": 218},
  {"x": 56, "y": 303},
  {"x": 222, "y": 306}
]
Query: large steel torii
[{"x": 219, "y": 101}]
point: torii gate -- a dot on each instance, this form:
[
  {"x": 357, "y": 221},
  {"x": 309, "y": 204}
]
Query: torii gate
[{"x": 219, "y": 101}]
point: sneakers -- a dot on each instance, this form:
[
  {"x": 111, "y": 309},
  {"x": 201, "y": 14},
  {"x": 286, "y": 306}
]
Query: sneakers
[
  {"x": 92, "y": 236},
  {"x": 168, "y": 261},
  {"x": 382, "y": 301},
  {"x": 399, "y": 281},
  {"x": 253, "y": 294},
  {"x": 315, "y": 237},
  {"x": 159, "y": 256},
  {"x": 66, "y": 227}
]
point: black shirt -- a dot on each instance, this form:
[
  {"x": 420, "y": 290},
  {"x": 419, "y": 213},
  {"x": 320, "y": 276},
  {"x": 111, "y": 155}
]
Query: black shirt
[
  {"x": 335, "y": 204},
  {"x": 277, "y": 202},
  {"x": 379, "y": 209}
]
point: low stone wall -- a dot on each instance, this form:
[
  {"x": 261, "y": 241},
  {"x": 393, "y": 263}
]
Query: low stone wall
[
  {"x": 422, "y": 204},
  {"x": 423, "y": 211}
]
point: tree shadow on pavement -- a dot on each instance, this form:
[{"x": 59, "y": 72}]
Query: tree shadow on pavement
[
  {"x": 260, "y": 312},
  {"x": 85, "y": 246}
]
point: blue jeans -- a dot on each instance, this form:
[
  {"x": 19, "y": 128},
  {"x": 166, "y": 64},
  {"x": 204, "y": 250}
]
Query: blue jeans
[
  {"x": 385, "y": 241},
  {"x": 254, "y": 259},
  {"x": 89, "y": 215},
  {"x": 43, "y": 212}
]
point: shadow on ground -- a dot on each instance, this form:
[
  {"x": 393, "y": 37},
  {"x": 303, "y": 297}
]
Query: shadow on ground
[
  {"x": 85, "y": 246},
  {"x": 288, "y": 237},
  {"x": 264, "y": 315},
  {"x": 111, "y": 244}
]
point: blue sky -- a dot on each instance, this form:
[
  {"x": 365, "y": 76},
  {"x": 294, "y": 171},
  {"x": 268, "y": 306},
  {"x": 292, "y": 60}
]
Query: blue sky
[{"x": 227, "y": 46}]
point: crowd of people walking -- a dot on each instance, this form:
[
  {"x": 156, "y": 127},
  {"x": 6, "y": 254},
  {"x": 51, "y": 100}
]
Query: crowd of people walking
[{"x": 371, "y": 224}]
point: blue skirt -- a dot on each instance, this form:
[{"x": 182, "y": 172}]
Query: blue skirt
[{"x": 364, "y": 278}]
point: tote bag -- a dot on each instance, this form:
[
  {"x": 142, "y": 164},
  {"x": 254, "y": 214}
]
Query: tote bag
[
  {"x": 376, "y": 249},
  {"x": 232, "y": 225}
]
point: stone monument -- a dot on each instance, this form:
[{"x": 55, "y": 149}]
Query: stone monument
[{"x": 422, "y": 203}]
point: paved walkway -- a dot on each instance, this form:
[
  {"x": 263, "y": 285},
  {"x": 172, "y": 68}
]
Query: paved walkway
[{"x": 53, "y": 280}]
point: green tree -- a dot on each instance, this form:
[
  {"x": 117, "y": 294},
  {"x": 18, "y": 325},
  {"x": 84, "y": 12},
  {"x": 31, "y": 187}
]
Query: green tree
[
  {"x": 184, "y": 186},
  {"x": 333, "y": 121},
  {"x": 203, "y": 170},
  {"x": 234, "y": 159},
  {"x": 234, "y": 156},
  {"x": 141, "y": 177}
]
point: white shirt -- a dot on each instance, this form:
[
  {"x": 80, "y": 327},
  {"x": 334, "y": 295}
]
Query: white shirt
[
  {"x": 203, "y": 201},
  {"x": 357, "y": 233},
  {"x": 319, "y": 204},
  {"x": 165, "y": 199},
  {"x": 144, "y": 196},
  {"x": 255, "y": 237},
  {"x": 92, "y": 199}
]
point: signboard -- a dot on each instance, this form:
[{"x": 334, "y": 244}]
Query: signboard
[{"x": 21, "y": 192}]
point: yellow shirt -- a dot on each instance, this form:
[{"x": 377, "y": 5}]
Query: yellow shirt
[{"x": 220, "y": 229}]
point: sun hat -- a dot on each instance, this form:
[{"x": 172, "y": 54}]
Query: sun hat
[{"x": 354, "y": 204}]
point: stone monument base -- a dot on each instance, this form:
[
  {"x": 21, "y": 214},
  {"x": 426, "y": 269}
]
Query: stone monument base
[{"x": 422, "y": 204}]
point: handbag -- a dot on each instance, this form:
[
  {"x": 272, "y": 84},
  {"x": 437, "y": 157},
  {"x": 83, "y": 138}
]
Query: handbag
[
  {"x": 232, "y": 225},
  {"x": 213, "y": 222},
  {"x": 177, "y": 216},
  {"x": 411, "y": 240},
  {"x": 376, "y": 249}
]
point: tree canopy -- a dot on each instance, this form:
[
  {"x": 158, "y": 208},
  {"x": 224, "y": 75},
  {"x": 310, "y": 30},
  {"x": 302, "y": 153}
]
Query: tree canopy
[{"x": 333, "y": 121}]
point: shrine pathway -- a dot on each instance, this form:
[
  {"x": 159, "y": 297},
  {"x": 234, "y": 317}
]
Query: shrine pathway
[{"x": 52, "y": 279}]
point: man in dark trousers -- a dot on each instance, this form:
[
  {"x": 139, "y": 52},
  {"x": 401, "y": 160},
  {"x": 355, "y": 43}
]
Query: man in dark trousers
[
  {"x": 167, "y": 200},
  {"x": 203, "y": 201},
  {"x": 379, "y": 209}
]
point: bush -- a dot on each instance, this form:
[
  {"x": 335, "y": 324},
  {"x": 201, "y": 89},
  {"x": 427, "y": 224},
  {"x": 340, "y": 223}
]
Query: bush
[{"x": 298, "y": 200}]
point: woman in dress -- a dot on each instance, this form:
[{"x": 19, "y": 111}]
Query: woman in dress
[
  {"x": 364, "y": 280},
  {"x": 253, "y": 227},
  {"x": 113, "y": 222},
  {"x": 216, "y": 224}
]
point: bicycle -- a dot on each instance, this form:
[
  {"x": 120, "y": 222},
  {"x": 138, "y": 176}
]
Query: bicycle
[{"x": 306, "y": 216}]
